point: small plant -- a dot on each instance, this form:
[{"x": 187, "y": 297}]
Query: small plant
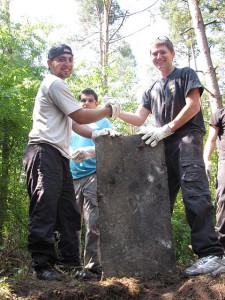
[{"x": 181, "y": 233}]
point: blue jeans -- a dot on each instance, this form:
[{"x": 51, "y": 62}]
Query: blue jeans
[
  {"x": 52, "y": 207},
  {"x": 186, "y": 170}
]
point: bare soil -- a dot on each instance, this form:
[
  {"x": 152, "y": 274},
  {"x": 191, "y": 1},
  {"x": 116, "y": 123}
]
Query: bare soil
[
  {"x": 172, "y": 286},
  {"x": 18, "y": 282}
]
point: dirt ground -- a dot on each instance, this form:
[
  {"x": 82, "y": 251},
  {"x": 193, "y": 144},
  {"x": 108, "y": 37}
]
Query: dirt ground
[{"x": 171, "y": 286}]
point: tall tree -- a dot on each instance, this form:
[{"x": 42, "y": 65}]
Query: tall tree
[
  {"x": 197, "y": 38},
  {"x": 102, "y": 21},
  {"x": 215, "y": 97}
]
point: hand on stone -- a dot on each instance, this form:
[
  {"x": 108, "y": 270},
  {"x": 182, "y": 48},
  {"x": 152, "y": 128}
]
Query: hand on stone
[
  {"x": 105, "y": 131},
  {"x": 83, "y": 154},
  {"x": 152, "y": 135}
]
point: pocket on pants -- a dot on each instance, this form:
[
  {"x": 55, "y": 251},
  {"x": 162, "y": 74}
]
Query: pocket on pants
[{"x": 194, "y": 181}]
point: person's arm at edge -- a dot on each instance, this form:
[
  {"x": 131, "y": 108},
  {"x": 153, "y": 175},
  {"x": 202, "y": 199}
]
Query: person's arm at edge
[
  {"x": 192, "y": 107},
  {"x": 136, "y": 119},
  {"x": 210, "y": 143}
]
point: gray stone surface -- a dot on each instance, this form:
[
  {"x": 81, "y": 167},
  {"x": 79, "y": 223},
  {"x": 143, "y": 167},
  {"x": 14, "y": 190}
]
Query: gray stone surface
[{"x": 135, "y": 228}]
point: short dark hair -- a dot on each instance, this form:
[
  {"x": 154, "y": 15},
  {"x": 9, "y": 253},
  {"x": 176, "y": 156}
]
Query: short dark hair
[
  {"x": 59, "y": 50},
  {"x": 89, "y": 91},
  {"x": 163, "y": 40}
]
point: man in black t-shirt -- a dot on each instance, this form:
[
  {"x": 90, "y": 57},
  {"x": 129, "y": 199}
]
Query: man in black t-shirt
[
  {"x": 174, "y": 101},
  {"x": 217, "y": 134}
]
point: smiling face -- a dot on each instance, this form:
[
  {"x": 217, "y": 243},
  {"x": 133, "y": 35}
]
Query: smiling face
[
  {"x": 162, "y": 58},
  {"x": 61, "y": 66}
]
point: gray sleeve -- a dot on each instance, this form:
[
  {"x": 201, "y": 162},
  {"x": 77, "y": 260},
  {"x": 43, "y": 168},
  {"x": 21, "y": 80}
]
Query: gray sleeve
[{"x": 61, "y": 95}]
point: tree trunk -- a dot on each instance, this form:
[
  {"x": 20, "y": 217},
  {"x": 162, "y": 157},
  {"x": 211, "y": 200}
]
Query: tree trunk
[
  {"x": 107, "y": 7},
  {"x": 212, "y": 86}
]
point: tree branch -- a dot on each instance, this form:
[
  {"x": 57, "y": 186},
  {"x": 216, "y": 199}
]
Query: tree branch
[{"x": 123, "y": 37}]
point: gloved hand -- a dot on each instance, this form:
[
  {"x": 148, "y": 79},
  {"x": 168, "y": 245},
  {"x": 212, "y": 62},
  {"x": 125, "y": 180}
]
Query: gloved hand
[
  {"x": 115, "y": 105},
  {"x": 152, "y": 135},
  {"x": 105, "y": 131},
  {"x": 83, "y": 153},
  {"x": 208, "y": 169}
]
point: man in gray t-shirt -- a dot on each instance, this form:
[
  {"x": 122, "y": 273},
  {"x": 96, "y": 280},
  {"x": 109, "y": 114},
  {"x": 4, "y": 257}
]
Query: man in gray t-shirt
[{"x": 53, "y": 216}]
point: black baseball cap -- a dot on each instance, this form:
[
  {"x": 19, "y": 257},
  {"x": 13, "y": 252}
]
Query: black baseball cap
[{"x": 59, "y": 50}]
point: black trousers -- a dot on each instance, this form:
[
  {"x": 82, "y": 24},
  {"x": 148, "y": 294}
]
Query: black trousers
[
  {"x": 52, "y": 207},
  {"x": 186, "y": 170}
]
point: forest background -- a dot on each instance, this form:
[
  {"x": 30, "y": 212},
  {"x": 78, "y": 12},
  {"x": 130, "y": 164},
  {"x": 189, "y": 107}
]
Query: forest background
[{"x": 104, "y": 61}]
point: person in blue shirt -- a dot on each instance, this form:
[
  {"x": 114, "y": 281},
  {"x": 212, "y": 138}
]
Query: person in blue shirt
[{"x": 85, "y": 186}]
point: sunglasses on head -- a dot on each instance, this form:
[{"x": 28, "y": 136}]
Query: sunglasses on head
[{"x": 163, "y": 38}]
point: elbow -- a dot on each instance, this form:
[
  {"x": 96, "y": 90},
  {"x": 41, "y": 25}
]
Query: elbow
[
  {"x": 80, "y": 121},
  {"x": 196, "y": 109},
  {"x": 138, "y": 123},
  {"x": 78, "y": 116}
]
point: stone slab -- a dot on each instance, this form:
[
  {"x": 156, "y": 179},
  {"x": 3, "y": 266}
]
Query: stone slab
[{"x": 135, "y": 227}]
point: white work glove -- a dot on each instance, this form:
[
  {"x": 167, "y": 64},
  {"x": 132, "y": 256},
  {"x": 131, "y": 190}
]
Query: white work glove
[
  {"x": 83, "y": 153},
  {"x": 105, "y": 131},
  {"x": 152, "y": 135},
  {"x": 208, "y": 169},
  {"x": 115, "y": 105}
]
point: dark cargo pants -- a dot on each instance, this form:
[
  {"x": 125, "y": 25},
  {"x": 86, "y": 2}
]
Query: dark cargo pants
[
  {"x": 186, "y": 170},
  {"x": 52, "y": 206}
]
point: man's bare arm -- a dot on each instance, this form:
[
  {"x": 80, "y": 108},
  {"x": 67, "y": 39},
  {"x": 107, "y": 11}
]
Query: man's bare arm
[
  {"x": 210, "y": 143},
  {"x": 82, "y": 130},
  {"x": 86, "y": 116},
  {"x": 136, "y": 119},
  {"x": 192, "y": 107}
]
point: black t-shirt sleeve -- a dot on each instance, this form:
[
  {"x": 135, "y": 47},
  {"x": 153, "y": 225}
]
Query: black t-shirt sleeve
[
  {"x": 190, "y": 80},
  {"x": 145, "y": 100}
]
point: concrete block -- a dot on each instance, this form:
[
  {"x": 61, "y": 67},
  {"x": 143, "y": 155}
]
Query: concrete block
[{"x": 135, "y": 223}]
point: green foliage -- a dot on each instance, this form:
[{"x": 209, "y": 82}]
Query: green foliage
[
  {"x": 182, "y": 33},
  {"x": 177, "y": 15},
  {"x": 20, "y": 51},
  {"x": 90, "y": 11},
  {"x": 121, "y": 78},
  {"x": 84, "y": 77},
  {"x": 181, "y": 233},
  {"x": 21, "y": 71}
]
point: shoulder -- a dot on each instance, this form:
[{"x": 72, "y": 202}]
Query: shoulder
[
  {"x": 149, "y": 88},
  {"x": 50, "y": 79},
  {"x": 220, "y": 112},
  {"x": 183, "y": 72},
  {"x": 217, "y": 115}
]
